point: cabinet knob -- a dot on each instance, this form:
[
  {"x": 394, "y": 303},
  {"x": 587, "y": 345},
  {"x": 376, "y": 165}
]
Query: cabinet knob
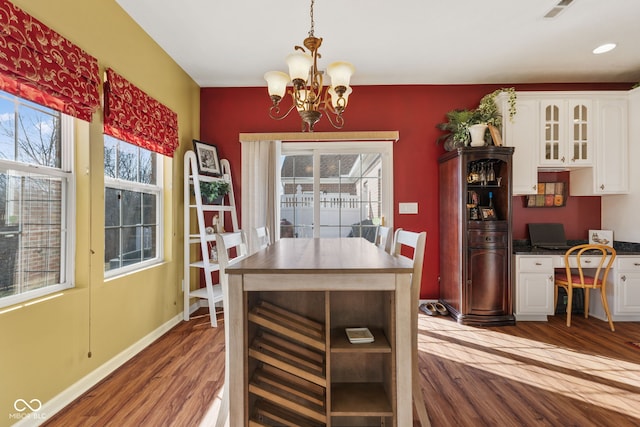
[
  {"x": 534, "y": 186},
  {"x": 623, "y": 278},
  {"x": 602, "y": 187},
  {"x": 587, "y": 261},
  {"x": 562, "y": 159},
  {"x": 551, "y": 278},
  {"x": 538, "y": 263},
  {"x": 636, "y": 264}
]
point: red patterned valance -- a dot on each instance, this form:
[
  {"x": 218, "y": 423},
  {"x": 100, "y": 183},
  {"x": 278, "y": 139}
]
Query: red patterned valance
[
  {"x": 40, "y": 65},
  {"x": 133, "y": 116}
]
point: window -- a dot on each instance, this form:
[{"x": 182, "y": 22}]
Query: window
[
  {"x": 132, "y": 207},
  {"x": 335, "y": 189},
  {"x": 36, "y": 200}
]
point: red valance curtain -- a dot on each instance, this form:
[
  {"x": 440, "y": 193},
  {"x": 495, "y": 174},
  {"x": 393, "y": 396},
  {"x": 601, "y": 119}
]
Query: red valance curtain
[
  {"x": 40, "y": 65},
  {"x": 133, "y": 116}
]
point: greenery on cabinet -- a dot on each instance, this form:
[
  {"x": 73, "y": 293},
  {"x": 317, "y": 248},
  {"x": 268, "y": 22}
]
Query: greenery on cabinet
[
  {"x": 459, "y": 120},
  {"x": 213, "y": 191}
]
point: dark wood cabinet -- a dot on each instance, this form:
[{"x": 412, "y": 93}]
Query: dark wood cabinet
[{"x": 475, "y": 235}]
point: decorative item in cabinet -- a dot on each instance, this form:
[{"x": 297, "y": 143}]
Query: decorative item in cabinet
[
  {"x": 289, "y": 380},
  {"x": 550, "y": 195}
]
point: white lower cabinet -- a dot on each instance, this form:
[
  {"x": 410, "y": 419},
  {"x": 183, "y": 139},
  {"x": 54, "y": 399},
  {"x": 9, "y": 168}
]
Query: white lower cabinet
[
  {"x": 534, "y": 287},
  {"x": 623, "y": 292}
]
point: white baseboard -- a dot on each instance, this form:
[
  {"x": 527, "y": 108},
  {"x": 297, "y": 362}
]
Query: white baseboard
[{"x": 57, "y": 403}]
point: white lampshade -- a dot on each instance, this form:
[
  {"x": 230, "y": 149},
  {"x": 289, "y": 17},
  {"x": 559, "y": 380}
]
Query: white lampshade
[
  {"x": 340, "y": 73},
  {"x": 335, "y": 97},
  {"x": 299, "y": 64},
  {"x": 277, "y": 82}
]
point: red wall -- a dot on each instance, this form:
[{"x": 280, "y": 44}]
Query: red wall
[{"x": 414, "y": 111}]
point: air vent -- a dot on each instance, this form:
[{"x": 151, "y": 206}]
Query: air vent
[{"x": 555, "y": 11}]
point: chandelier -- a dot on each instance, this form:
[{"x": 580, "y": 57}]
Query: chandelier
[{"x": 308, "y": 95}]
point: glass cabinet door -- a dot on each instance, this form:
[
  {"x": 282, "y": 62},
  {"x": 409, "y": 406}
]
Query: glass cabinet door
[
  {"x": 552, "y": 123},
  {"x": 580, "y": 132},
  {"x": 566, "y": 133}
]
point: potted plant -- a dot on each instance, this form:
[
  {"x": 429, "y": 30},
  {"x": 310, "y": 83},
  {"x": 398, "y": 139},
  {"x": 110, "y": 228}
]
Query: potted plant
[
  {"x": 212, "y": 192},
  {"x": 459, "y": 121},
  {"x": 457, "y": 128}
]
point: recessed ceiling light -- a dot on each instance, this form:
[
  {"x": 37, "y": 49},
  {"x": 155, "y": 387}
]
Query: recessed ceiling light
[{"x": 604, "y": 48}]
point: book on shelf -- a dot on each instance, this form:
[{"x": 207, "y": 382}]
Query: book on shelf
[{"x": 359, "y": 335}]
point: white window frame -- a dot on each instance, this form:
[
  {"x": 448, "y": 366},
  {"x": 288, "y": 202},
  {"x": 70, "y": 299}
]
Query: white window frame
[
  {"x": 68, "y": 212},
  {"x": 385, "y": 148},
  {"x": 158, "y": 190}
]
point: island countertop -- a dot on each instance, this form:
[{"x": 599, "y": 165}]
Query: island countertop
[{"x": 324, "y": 255}]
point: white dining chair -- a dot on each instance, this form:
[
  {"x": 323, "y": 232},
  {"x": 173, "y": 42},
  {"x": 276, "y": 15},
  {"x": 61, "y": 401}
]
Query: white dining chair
[
  {"x": 417, "y": 243},
  {"x": 261, "y": 238},
  {"x": 385, "y": 238},
  {"x": 232, "y": 248}
]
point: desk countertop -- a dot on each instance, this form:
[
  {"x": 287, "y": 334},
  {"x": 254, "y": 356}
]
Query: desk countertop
[{"x": 522, "y": 247}]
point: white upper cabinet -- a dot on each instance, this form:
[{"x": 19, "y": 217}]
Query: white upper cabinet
[
  {"x": 566, "y": 132},
  {"x": 610, "y": 173},
  {"x": 522, "y": 133},
  {"x": 584, "y": 132}
]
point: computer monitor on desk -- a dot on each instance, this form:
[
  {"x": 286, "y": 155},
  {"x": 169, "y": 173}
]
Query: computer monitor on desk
[{"x": 548, "y": 236}]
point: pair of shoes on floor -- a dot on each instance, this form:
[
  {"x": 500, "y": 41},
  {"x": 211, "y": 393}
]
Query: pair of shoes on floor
[{"x": 434, "y": 308}]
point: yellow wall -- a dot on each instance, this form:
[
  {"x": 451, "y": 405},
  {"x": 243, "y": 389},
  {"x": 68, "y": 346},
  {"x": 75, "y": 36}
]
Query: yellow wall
[{"x": 44, "y": 347}]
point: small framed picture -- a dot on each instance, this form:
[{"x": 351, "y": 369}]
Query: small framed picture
[
  {"x": 601, "y": 237},
  {"x": 487, "y": 213},
  {"x": 495, "y": 135},
  {"x": 207, "y": 156}
]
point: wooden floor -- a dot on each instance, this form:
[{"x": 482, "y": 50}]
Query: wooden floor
[{"x": 531, "y": 374}]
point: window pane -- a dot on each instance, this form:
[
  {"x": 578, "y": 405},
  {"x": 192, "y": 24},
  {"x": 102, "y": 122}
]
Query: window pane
[
  {"x": 297, "y": 199},
  {"x": 131, "y": 208},
  {"x": 131, "y": 245},
  {"x": 149, "y": 242},
  {"x": 110, "y": 157},
  {"x": 149, "y": 208},
  {"x": 147, "y": 167},
  {"x": 128, "y": 162},
  {"x": 112, "y": 249},
  {"x": 38, "y": 137},
  {"x": 7, "y": 129},
  {"x": 112, "y": 207}
]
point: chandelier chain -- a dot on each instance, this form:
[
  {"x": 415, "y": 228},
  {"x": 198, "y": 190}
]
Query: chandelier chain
[{"x": 311, "y": 31}]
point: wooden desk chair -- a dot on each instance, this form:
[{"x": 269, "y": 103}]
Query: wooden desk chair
[
  {"x": 417, "y": 243},
  {"x": 578, "y": 278},
  {"x": 261, "y": 237},
  {"x": 231, "y": 247},
  {"x": 385, "y": 238}
]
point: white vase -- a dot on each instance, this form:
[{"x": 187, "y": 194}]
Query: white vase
[{"x": 477, "y": 134}]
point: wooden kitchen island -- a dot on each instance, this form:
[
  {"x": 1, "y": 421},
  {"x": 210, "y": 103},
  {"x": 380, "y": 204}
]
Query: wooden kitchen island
[{"x": 289, "y": 356}]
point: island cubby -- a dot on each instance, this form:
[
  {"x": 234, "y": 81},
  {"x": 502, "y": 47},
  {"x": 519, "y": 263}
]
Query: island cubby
[{"x": 299, "y": 373}]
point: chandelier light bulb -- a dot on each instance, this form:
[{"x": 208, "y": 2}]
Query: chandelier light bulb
[
  {"x": 340, "y": 73},
  {"x": 299, "y": 65},
  {"x": 276, "y": 83}
]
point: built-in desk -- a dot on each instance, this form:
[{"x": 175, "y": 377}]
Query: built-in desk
[
  {"x": 289, "y": 358},
  {"x": 534, "y": 270}
]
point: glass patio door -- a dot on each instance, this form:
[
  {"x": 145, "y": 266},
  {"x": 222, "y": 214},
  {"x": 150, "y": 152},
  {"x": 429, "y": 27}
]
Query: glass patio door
[{"x": 335, "y": 189}]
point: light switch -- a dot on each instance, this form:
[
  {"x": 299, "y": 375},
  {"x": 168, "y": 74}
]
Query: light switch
[{"x": 408, "y": 208}]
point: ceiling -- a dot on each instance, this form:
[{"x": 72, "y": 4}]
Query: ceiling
[{"x": 232, "y": 43}]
